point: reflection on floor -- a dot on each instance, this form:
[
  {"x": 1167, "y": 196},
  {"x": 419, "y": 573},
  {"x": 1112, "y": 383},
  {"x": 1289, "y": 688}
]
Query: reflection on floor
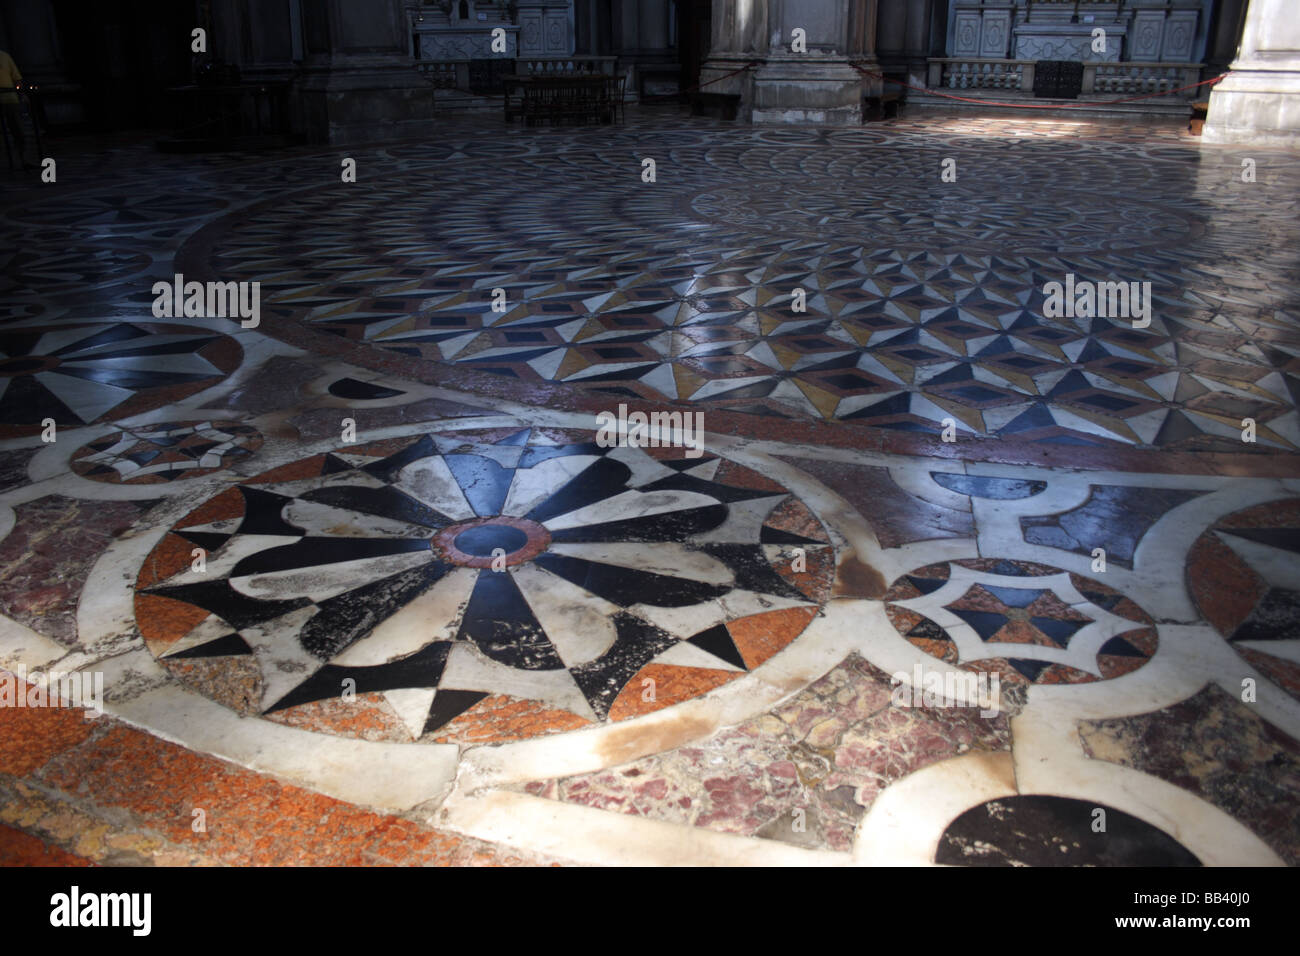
[{"x": 367, "y": 583}]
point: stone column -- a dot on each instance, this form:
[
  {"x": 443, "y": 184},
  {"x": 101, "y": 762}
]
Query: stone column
[
  {"x": 917, "y": 48},
  {"x": 257, "y": 36},
  {"x": 359, "y": 83},
  {"x": 1224, "y": 34},
  {"x": 1260, "y": 102},
  {"x": 817, "y": 86}
]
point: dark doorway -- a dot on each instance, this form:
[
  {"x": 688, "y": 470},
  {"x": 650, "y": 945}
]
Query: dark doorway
[
  {"x": 694, "y": 37},
  {"x": 125, "y": 54},
  {"x": 593, "y": 27}
]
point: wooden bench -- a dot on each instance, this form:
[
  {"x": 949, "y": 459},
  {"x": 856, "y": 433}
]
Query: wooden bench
[
  {"x": 512, "y": 84},
  {"x": 576, "y": 98}
]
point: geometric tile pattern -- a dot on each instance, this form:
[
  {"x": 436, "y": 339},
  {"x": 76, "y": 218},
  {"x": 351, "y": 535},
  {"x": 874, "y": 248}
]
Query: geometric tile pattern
[
  {"x": 1244, "y": 574},
  {"x": 510, "y": 583},
  {"x": 77, "y": 374},
  {"x": 922, "y": 301},
  {"x": 169, "y": 451},
  {"x": 1028, "y": 622}
]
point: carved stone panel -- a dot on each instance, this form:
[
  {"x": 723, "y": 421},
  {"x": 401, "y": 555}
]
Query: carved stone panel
[
  {"x": 966, "y": 37},
  {"x": 556, "y": 35},
  {"x": 531, "y": 33},
  {"x": 996, "y": 33},
  {"x": 1180, "y": 36},
  {"x": 1148, "y": 31}
]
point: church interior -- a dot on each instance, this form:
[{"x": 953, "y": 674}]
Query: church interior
[{"x": 650, "y": 433}]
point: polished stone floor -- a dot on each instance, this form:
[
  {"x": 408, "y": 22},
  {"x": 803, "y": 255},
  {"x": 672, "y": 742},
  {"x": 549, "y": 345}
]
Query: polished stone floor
[{"x": 947, "y": 572}]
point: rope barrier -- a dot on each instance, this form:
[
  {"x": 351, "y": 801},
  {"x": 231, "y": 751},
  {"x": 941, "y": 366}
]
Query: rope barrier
[
  {"x": 699, "y": 86},
  {"x": 1038, "y": 106}
]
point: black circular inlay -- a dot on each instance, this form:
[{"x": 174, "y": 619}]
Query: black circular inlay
[{"x": 486, "y": 538}]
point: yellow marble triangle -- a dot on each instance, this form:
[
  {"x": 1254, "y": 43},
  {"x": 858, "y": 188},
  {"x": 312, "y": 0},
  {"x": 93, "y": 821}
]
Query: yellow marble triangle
[
  {"x": 822, "y": 400},
  {"x": 964, "y": 414},
  {"x": 861, "y": 334},
  {"x": 904, "y": 371},
  {"x": 787, "y": 357},
  {"x": 953, "y": 342},
  {"x": 1022, "y": 381},
  {"x": 571, "y": 364},
  {"x": 1134, "y": 384},
  {"x": 587, "y": 331},
  {"x": 1108, "y": 422},
  {"x": 687, "y": 381}
]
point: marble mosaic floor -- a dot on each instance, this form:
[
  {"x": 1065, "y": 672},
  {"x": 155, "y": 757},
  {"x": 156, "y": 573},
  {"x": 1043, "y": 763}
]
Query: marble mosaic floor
[{"x": 372, "y": 563}]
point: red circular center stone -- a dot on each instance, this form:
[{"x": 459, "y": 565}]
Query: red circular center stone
[{"x": 480, "y": 541}]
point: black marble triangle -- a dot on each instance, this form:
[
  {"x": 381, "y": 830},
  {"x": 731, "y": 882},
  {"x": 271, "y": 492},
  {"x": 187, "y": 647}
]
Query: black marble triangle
[
  {"x": 231, "y": 645},
  {"x": 1031, "y": 669},
  {"x": 333, "y": 465},
  {"x": 717, "y": 641},
  {"x": 207, "y": 540},
  {"x": 1118, "y": 647},
  {"x": 450, "y": 704},
  {"x": 1285, "y": 539},
  {"x": 768, "y": 535}
]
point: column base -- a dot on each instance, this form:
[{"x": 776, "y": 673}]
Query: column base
[
  {"x": 362, "y": 101},
  {"x": 792, "y": 89},
  {"x": 807, "y": 89},
  {"x": 1255, "y": 107}
]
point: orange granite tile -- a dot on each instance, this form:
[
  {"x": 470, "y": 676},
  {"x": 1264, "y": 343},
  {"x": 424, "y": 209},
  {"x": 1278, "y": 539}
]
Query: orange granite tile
[
  {"x": 1050, "y": 606},
  {"x": 172, "y": 555},
  {"x": 294, "y": 471},
  {"x": 672, "y": 685},
  {"x": 1274, "y": 514},
  {"x": 164, "y": 621},
  {"x": 235, "y": 682},
  {"x": 793, "y": 515},
  {"x": 817, "y": 577},
  {"x": 1021, "y": 632},
  {"x": 668, "y": 453},
  {"x": 1223, "y": 586},
  {"x": 500, "y": 718},
  {"x": 760, "y": 636},
  {"x": 250, "y": 819},
  {"x": 1115, "y": 665},
  {"x": 228, "y": 504},
  {"x": 738, "y": 476},
  {"x": 1061, "y": 674},
  {"x": 381, "y": 448},
  {"x": 30, "y": 737},
  {"x": 1283, "y": 672},
  {"x": 21, "y": 849},
  {"x": 365, "y": 717},
  {"x": 945, "y": 651}
]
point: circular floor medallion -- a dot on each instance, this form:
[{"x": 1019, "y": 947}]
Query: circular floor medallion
[
  {"x": 1027, "y": 622},
  {"x": 482, "y": 586}
]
